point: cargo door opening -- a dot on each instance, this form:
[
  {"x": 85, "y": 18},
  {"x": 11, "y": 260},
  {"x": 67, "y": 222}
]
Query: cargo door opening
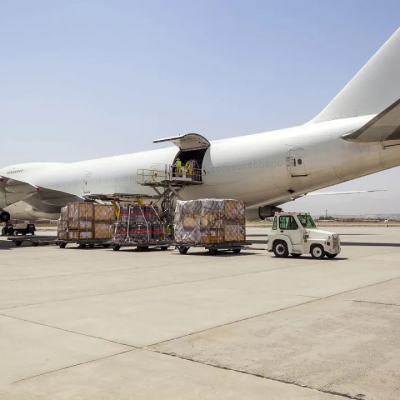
[{"x": 188, "y": 163}]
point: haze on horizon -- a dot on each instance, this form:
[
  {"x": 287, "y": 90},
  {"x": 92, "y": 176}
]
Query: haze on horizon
[{"x": 89, "y": 79}]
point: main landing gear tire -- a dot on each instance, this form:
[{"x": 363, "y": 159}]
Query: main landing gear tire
[
  {"x": 281, "y": 249},
  {"x": 329, "y": 255},
  {"x": 317, "y": 252}
]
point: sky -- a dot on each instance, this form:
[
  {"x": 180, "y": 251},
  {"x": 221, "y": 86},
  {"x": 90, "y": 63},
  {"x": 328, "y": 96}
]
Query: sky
[{"x": 94, "y": 78}]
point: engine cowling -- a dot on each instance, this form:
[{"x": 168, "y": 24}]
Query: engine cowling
[
  {"x": 256, "y": 214},
  {"x": 4, "y": 216}
]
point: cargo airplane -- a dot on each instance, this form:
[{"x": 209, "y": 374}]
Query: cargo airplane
[{"x": 358, "y": 133}]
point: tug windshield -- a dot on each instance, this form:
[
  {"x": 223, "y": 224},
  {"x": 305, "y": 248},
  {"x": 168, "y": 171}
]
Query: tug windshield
[{"x": 307, "y": 221}]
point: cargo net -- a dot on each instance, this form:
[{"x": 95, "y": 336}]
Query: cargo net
[
  {"x": 86, "y": 221},
  {"x": 210, "y": 221},
  {"x": 138, "y": 223}
]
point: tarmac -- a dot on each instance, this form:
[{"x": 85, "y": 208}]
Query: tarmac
[{"x": 98, "y": 324}]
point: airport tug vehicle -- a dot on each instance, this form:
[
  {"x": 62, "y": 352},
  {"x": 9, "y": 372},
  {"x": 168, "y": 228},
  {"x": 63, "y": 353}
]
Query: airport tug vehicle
[{"x": 296, "y": 234}]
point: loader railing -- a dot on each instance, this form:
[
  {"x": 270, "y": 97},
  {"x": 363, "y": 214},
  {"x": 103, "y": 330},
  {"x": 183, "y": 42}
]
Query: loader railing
[{"x": 170, "y": 173}]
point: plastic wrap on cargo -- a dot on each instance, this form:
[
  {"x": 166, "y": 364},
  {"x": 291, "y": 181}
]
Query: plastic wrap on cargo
[
  {"x": 210, "y": 221},
  {"x": 86, "y": 221}
]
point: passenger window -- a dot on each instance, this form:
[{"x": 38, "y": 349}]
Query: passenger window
[
  {"x": 287, "y": 222},
  {"x": 274, "y": 225}
]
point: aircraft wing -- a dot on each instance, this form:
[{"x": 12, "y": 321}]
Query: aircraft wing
[
  {"x": 13, "y": 190},
  {"x": 341, "y": 193},
  {"x": 385, "y": 126}
]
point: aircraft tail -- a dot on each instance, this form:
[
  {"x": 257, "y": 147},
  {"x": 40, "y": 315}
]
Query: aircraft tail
[{"x": 373, "y": 88}]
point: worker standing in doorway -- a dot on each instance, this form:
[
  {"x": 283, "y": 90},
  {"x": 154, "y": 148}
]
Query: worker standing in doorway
[{"x": 178, "y": 166}]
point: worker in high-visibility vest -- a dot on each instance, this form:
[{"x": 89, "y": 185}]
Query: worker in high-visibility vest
[
  {"x": 178, "y": 166},
  {"x": 169, "y": 231},
  {"x": 189, "y": 170}
]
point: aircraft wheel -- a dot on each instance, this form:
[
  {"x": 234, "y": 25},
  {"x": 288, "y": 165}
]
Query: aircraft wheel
[
  {"x": 317, "y": 252},
  {"x": 281, "y": 249}
]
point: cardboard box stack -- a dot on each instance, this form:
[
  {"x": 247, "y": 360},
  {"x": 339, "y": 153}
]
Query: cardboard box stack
[
  {"x": 138, "y": 223},
  {"x": 209, "y": 221},
  {"x": 86, "y": 221}
]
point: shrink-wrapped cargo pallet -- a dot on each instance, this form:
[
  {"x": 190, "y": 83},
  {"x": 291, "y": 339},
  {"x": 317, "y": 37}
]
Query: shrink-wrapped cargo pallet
[
  {"x": 210, "y": 221},
  {"x": 86, "y": 221},
  {"x": 139, "y": 223}
]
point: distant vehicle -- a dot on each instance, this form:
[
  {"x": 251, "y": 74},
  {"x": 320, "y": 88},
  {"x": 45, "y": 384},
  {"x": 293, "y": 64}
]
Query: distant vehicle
[
  {"x": 24, "y": 229},
  {"x": 296, "y": 234}
]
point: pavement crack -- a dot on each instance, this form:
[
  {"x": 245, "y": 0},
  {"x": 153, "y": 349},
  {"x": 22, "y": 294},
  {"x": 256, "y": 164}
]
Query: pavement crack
[
  {"x": 69, "y": 331},
  {"x": 222, "y": 367},
  {"x": 74, "y": 365},
  {"x": 374, "y": 302}
]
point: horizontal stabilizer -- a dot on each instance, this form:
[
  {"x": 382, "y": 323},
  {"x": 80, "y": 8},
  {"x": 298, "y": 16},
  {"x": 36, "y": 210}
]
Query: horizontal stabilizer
[{"x": 385, "y": 126}]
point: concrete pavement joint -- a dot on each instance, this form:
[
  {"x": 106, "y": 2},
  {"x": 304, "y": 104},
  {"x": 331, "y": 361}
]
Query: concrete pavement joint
[
  {"x": 147, "y": 288},
  {"x": 253, "y": 374},
  {"x": 270, "y": 312},
  {"x": 72, "y": 366},
  {"x": 69, "y": 331}
]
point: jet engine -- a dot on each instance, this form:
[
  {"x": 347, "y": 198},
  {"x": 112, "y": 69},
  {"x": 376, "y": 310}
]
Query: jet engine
[
  {"x": 4, "y": 216},
  {"x": 255, "y": 214}
]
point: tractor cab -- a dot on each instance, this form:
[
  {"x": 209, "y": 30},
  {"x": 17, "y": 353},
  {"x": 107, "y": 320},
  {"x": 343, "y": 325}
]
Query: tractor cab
[{"x": 296, "y": 234}]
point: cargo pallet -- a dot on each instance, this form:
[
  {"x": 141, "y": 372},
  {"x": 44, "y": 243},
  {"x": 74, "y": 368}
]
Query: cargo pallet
[
  {"x": 33, "y": 240},
  {"x": 163, "y": 245},
  {"x": 214, "y": 248},
  {"x": 62, "y": 244}
]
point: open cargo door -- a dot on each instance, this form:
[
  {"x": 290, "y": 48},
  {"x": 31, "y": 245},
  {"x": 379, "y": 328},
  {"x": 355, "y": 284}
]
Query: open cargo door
[
  {"x": 192, "y": 149},
  {"x": 188, "y": 142}
]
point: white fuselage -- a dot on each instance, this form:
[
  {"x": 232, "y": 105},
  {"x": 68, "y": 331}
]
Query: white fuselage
[{"x": 259, "y": 169}]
